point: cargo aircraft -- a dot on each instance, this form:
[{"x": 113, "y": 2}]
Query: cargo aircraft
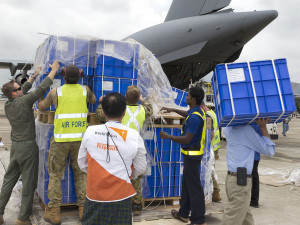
[{"x": 196, "y": 36}]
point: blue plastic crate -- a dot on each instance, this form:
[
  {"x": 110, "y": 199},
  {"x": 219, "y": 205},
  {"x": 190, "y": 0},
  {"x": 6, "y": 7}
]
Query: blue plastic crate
[
  {"x": 237, "y": 102},
  {"x": 177, "y": 186},
  {"x": 111, "y": 64},
  {"x": 180, "y": 97},
  {"x": 164, "y": 150},
  {"x": 71, "y": 51},
  {"x": 160, "y": 180}
]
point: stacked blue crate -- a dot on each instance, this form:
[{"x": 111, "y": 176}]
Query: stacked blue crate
[
  {"x": 161, "y": 180},
  {"x": 166, "y": 154},
  {"x": 113, "y": 74},
  {"x": 180, "y": 97},
  {"x": 67, "y": 182},
  {"x": 242, "y": 94},
  {"x": 72, "y": 51}
]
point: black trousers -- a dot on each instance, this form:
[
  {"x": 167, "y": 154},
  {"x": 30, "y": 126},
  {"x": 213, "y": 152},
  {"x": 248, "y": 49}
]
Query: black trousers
[
  {"x": 255, "y": 184},
  {"x": 192, "y": 196}
]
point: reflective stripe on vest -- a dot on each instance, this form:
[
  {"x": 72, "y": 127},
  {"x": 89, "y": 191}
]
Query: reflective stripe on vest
[
  {"x": 202, "y": 141},
  {"x": 70, "y": 119},
  {"x": 134, "y": 117},
  {"x": 215, "y": 142}
]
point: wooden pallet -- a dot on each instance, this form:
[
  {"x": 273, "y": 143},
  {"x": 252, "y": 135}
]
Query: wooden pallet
[
  {"x": 170, "y": 119},
  {"x": 171, "y": 201}
]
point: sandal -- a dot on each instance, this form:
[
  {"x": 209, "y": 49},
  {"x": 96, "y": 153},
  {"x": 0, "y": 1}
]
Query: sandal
[{"x": 175, "y": 214}]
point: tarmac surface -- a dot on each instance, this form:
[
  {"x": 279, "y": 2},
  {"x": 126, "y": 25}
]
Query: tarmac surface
[{"x": 279, "y": 198}]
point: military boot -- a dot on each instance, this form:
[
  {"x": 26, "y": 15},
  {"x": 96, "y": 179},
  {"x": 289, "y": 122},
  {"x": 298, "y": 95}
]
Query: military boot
[
  {"x": 52, "y": 215},
  {"x": 137, "y": 209},
  {"x": 216, "y": 196},
  {"x": 23, "y": 222},
  {"x": 80, "y": 211},
  {"x": 1, "y": 219}
]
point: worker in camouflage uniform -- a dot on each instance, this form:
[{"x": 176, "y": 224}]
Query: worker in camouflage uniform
[
  {"x": 135, "y": 116},
  {"x": 70, "y": 122}
]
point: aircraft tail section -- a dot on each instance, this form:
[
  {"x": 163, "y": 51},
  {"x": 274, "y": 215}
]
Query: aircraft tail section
[{"x": 188, "y": 8}]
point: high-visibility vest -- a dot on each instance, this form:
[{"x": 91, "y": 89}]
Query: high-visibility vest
[
  {"x": 202, "y": 141},
  {"x": 70, "y": 119},
  {"x": 134, "y": 117},
  {"x": 215, "y": 142}
]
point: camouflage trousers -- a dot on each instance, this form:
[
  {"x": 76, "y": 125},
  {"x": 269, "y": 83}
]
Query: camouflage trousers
[
  {"x": 138, "y": 198},
  {"x": 58, "y": 154}
]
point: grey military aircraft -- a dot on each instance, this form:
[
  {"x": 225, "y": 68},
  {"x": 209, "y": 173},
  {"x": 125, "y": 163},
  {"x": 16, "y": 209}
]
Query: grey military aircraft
[{"x": 197, "y": 35}]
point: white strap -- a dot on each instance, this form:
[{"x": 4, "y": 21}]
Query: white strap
[
  {"x": 231, "y": 99},
  {"x": 71, "y": 115},
  {"x": 132, "y": 117},
  {"x": 181, "y": 98},
  {"x": 254, "y": 94},
  {"x": 279, "y": 90},
  {"x": 75, "y": 135},
  {"x": 74, "y": 50},
  {"x": 59, "y": 91},
  {"x": 84, "y": 91},
  {"x": 102, "y": 66}
]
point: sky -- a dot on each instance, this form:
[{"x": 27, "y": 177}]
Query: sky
[{"x": 22, "y": 22}]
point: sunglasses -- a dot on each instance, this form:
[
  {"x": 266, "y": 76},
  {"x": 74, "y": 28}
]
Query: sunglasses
[{"x": 17, "y": 89}]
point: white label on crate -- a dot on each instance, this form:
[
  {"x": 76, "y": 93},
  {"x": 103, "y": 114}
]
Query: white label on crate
[
  {"x": 236, "y": 75},
  {"x": 175, "y": 202},
  {"x": 176, "y": 122},
  {"x": 148, "y": 135},
  {"x": 107, "y": 86},
  {"x": 181, "y": 168},
  {"x": 109, "y": 48},
  {"x": 62, "y": 46},
  {"x": 56, "y": 83},
  {"x": 175, "y": 94}
]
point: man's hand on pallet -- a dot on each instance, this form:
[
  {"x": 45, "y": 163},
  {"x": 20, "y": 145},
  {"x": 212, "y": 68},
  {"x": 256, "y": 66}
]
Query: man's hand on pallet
[{"x": 166, "y": 109}]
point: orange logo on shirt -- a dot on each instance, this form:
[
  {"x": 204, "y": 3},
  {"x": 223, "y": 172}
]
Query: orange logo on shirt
[{"x": 122, "y": 133}]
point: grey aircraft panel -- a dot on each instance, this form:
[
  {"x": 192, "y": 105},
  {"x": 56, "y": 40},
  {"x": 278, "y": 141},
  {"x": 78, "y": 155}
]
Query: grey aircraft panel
[
  {"x": 181, "y": 53},
  {"x": 188, "y": 8}
]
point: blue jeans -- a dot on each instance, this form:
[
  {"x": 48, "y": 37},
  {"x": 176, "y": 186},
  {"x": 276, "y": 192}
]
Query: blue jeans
[{"x": 285, "y": 128}]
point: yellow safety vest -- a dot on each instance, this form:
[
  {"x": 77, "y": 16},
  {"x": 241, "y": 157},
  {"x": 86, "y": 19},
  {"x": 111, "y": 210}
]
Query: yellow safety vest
[
  {"x": 70, "y": 119},
  {"x": 135, "y": 116},
  {"x": 202, "y": 141},
  {"x": 215, "y": 142}
]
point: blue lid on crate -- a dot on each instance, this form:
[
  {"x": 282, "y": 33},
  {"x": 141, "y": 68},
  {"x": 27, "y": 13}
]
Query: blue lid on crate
[{"x": 242, "y": 94}]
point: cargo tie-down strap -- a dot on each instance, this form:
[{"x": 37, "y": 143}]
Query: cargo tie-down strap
[{"x": 279, "y": 90}]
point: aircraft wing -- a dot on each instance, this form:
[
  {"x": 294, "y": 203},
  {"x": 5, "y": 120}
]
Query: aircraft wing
[
  {"x": 182, "y": 53},
  {"x": 13, "y": 66},
  {"x": 188, "y": 8}
]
